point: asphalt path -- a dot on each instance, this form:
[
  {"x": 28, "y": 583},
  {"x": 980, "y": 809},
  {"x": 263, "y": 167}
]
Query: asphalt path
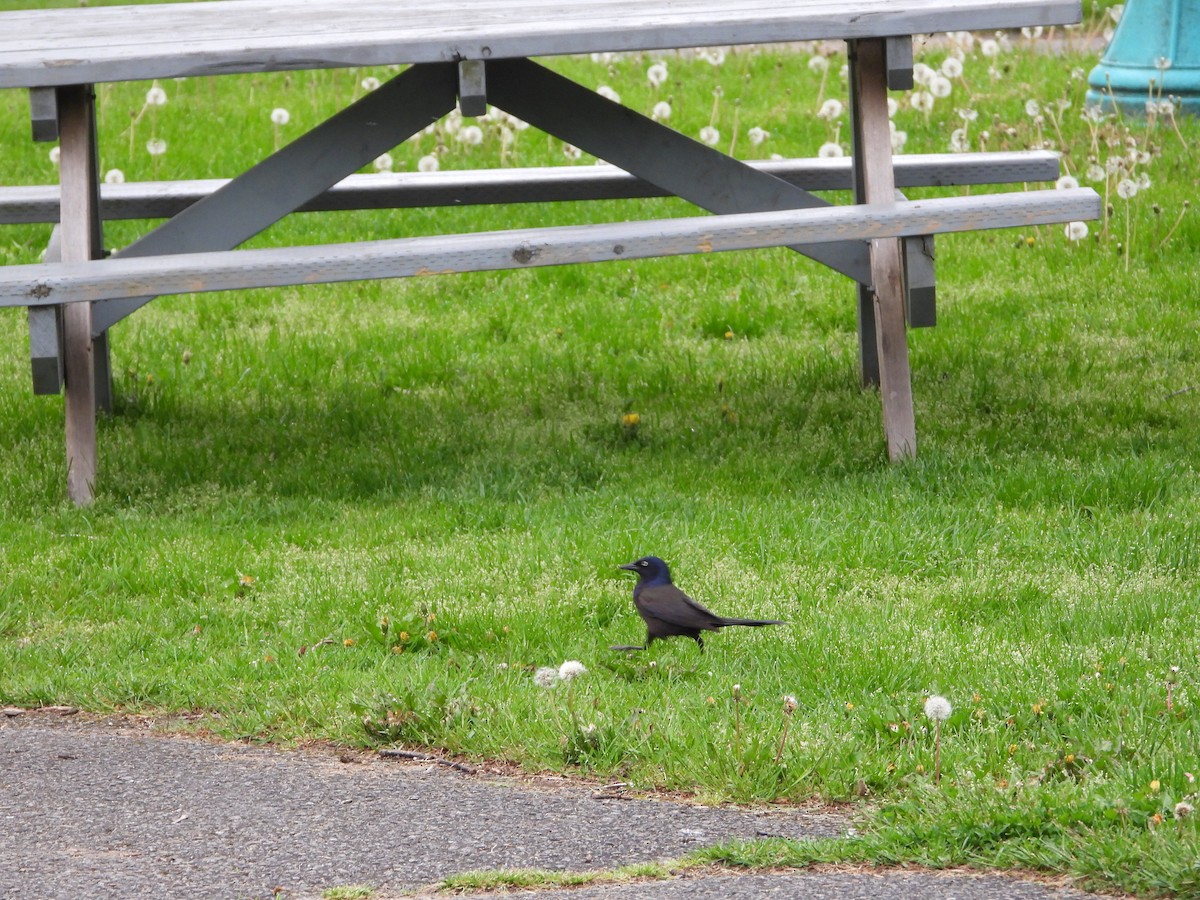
[{"x": 114, "y": 808}]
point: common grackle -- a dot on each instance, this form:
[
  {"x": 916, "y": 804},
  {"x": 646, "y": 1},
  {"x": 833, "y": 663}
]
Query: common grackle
[{"x": 668, "y": 611}]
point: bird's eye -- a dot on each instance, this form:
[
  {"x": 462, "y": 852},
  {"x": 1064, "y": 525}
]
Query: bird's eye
[{"x": 644, "y": 564}]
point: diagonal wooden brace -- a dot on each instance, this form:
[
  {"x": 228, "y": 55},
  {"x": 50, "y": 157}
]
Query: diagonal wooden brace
[{"x": 297, "y": 173}]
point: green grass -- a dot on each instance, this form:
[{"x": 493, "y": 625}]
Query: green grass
[{"x": 430, "y": 485}]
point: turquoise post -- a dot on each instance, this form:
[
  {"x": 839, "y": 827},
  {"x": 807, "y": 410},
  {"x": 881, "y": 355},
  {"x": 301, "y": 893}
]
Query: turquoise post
[{"x": 1154, "y": 50}]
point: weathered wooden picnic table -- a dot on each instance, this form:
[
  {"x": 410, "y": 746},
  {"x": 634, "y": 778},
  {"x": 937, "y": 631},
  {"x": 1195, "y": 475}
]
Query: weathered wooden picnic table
[{"x": 473, "y": 53}]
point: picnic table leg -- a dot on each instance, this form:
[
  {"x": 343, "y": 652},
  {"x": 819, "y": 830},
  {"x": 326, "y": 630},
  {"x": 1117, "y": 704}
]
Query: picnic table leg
[
  {"x": 873, "y": 165},
  {"x": 80, "y": 231}
]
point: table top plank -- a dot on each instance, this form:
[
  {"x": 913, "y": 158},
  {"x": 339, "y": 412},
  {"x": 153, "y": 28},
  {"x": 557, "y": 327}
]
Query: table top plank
[{"x": 124, "y": 43}]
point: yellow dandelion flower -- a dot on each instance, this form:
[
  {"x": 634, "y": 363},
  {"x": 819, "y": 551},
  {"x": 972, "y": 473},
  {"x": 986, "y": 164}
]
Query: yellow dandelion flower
[
  {"x": 1155, "y": 786},
  {"x": 398, "y": 649},
  {"x": 431, "y": 637},
  {"x": 631, "y": 420},
  {"x": 403, "y": 636},
  {"x": 348, "y": 642}
]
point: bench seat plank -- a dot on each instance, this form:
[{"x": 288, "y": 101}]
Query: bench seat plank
[
  {"x": 122, "y": 43},
  {"x": 23, "y": 205},
  {"x": 32, "y": 285}
]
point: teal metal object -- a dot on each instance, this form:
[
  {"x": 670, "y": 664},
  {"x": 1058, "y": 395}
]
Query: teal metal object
[{"x": 1154, "y": 53}]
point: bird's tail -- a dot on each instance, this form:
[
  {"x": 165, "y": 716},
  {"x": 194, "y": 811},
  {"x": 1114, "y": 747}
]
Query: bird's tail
[{"x": 752, "y": 622}]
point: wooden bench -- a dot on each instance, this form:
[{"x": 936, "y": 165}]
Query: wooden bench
[
  {"x": 163, "y": 199},
  {"x": 473, "y": 53}
]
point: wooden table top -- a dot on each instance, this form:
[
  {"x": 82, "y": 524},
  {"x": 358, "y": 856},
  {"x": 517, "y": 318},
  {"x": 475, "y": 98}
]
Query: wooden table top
[{"x": 126, "y": 43}]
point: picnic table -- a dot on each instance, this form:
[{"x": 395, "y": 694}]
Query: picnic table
[{"x": 472, "y": 53}]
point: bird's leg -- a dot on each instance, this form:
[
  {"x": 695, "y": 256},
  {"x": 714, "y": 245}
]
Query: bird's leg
[{"x": 700, "y": 641}]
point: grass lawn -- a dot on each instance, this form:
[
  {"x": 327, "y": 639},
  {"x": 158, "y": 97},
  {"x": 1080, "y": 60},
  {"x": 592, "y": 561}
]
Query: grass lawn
[{"x": 368, "y": 512}]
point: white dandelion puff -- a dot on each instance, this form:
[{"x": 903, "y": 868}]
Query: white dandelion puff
[
  {"x": 572, "y": 668},
  {"x": 657, "y": 75},
  {"x": 830, "y": 150},
  {"x": 370, "y": 83},
  {"x": 545, "y": 677},
  {"x": 831, "y": 109},
  {"x": 156, "y": 96},
  {"x": 428, "y": 163},
  {"x": 608, "y": 93},
  {"x": 757, "y": 135},
  {"x": 280, "y": 116},
  {"x": 55, "y": 154},
  {"x": 156, "y": 146},
  {"x": 383, "y": 162},
  {"x": 1066, "y": 183},
  {"x": 1076, "y": 231},
  {"x": 710, "y": 135},
  {"x": 471, "y": 135},
  {"x": 114, "y": 176},
  {"x": 938, "y": 708},
  {"x": 661, "y": 111},
  {"x": 818, "y": 64},
  {"x": 1127, "y": 189},
  {"x": 940, "y": 86},
  {"x": 952, "y": 67}
]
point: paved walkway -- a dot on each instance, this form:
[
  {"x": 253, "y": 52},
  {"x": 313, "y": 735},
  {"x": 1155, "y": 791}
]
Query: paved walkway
[{"x": 102, "y": 809}]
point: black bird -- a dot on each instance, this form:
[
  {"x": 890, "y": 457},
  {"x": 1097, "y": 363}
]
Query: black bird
[{"x": 668, "y": 611}]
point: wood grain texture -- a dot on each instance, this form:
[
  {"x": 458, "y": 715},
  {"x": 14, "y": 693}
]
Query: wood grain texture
[
  {"x": 33, "y": 285},
  {"x": 79, "y": 243},
  {"x": 97, "y": 44},
  {"x": 873, "y": 156},
  {"x": 27, "y": 204}
]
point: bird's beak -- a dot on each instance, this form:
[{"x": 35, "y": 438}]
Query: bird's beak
[{"x": 629, "y": 567}]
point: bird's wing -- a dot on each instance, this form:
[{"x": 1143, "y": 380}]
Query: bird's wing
[{"x": 668, "y": 603}]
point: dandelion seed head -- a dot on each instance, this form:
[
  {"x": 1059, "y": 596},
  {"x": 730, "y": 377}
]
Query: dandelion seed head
[
  {"x": 923, "y": 74},
  {"x": 789, "y": 703},
  {"x": 383, "y": 162},
  {"x": 1032, "y": 108},
  {"x": 156, "y": 146},
  {"x": 818, "y": 64},
  {"x": 657, "y": 75},
  {"x": 55, "y": 154},
  {"x": 1127, "y": 189},
  {"x": 471, "y": 135},
  {"x": 156, "y": 96},
  {"x": 938, "y": 708},
  {"x": 1095, "y": 172},
  {"x": 1183, "y": 809},
  {"x": 830, "y": 150},
  {"x": 1077, "y": 231},
  {"x": 114, "y": 176},
  {"x": 608, "y": 93},
  {"x": 428, "y": 163},
  {"x": 370, "y": 83},
  {"x": 989, "y": 47},
  {"x": 710, "y": 135},
  {"x": 1066, "y": 183},
  {"x": 757, "y": 135},
  {"x": 570, "y": 151},
  {"x": 715, "y": 56},
  {"x": 280, "y": 116},
  {"x": 922, "y": 101},
  {"x": 572, "y": 668},
  {"x": 831, "y": 109},
  {"x": 952, "y": 67},
  {"x": 661, "y": 111},
  {"x": 545, "y": 677},
  {"x": 899, "y": 139},
  {"x": 893, "y": 106},
  {"x": 959, "y": 142},
  {"x": 940, "y": 86}
]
